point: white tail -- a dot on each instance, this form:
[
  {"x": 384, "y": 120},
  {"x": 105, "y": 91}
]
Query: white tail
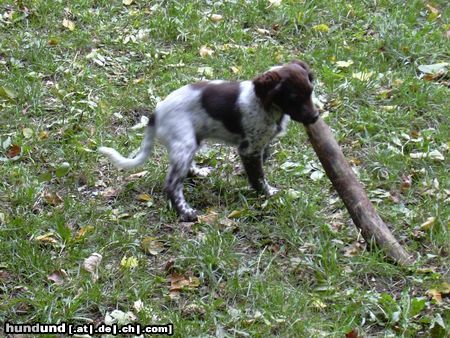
[{"x": 127, "y": 163}]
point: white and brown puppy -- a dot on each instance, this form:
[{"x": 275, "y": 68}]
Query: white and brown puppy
[{"x": 248, "y": 114}]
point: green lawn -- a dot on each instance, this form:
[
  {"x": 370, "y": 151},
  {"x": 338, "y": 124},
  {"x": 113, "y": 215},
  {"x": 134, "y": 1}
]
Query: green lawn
[{"x": 75, "y": 75}]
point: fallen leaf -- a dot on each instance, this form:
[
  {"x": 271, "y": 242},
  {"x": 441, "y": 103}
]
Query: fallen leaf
[
  {"x": 434, "y": 155},
  {"x": 434, "y": 69},
  {"x": 138, "y": 305},
  {"x": 294, "y": 194},
  {"x": 317, "y": 175},
  {"x": 216, "y": 17},
  {"x": 127, "y": 2},
  {"x": 362, "y": 76},
  {"x": 52, "y": 198},
  {"x": 352, "y": 334},
  {"x": 27, "y": 132},
  {"x": 428, "y": 224},
  {"x": 235, "y": 70},
  {"x": 321, "y": 28},
  {"x": 152, "y": 246},
  {"x": 7, "y": 93},
  {"x": 344, "y": 64},
  {"x": 406, "y": 182},
  {"x": 47, "y": 238},
  {"x": 119, "y": 317},
  {"x": 129, "y": 262},
  {"x": 263, "y": 31},
  {"x": 274, "y": 3},
  {"x": 179, "y": 282},
  {"x": 205, "y": 51},
  {"x": 70, "y": 25},
  {"x": 136, "y": 176},
  {"x": 109, "y": 193},
  {"x": 142, "y": 124},
  {"x": 57, "y": 277},
  {"x": 43, "y": 135},
  {"x": 91, "y": 265},
  {"x": 62, "y": 169},
  {"x": 209, "y": 218},
  {"x": 434, "y": 12},
  {"x": 435, "y": 294},
  {"x": 52, "y": 42},
  {"x": 235, "y": 214},
  {"x": 83, "y": 231},
  {"x": 13, "y": 151},
  {"x": 205, "y": 71},
  {"x": 143, "y": 197}
]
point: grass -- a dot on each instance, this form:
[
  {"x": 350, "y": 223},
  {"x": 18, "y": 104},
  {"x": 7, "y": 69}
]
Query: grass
[{"x": 290, "y": 266}]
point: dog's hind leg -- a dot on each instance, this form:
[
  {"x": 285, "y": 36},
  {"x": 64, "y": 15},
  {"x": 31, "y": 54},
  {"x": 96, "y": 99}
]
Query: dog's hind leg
[{"x": 180, "y": 157}]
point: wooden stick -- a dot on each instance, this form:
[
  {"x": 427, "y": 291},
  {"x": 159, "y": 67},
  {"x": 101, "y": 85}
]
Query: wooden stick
[{"x": 352, "y": 193}]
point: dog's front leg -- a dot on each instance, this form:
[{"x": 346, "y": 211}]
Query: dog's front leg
[{"x": 255, "y": 173}]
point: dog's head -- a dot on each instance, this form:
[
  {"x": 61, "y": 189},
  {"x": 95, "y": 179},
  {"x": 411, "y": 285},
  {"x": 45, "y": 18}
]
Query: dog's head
[{"x": 290, "y": 88}]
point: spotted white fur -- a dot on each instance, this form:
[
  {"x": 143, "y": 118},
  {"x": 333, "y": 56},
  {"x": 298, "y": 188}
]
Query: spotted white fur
[{"x": 181, "y": 122}]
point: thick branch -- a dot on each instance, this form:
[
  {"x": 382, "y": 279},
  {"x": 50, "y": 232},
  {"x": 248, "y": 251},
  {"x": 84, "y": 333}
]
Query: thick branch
[{"x": 352, "y": 193}]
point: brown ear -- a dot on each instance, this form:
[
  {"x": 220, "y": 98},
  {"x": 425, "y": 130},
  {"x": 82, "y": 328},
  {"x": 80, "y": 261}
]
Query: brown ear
[
  {"x": 305, "y": 66},
  {"x": 266, "y": 86}
]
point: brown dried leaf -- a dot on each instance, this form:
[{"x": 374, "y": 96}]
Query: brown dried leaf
[
  {"x": 435, "y": 294},
  {"x": 109, "y": 193},
  {"x": 352, "y": 334},
  {"x": 13, "y": 151},
  {"x": 57, "y": 277},
  {"x": 179, "y": 282},
  {"x": 52, "y": 198}
]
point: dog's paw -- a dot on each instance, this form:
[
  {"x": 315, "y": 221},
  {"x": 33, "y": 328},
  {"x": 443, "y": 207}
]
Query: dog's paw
[
  {"x": 200, "y": 172},
  {"x": 188, "y": 215},
  {"x": 270, "y": 191}
]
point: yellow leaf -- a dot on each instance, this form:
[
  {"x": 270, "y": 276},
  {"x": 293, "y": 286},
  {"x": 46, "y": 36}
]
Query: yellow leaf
[
  {"x": 70, "y": 25},
  {"x": 143, "y": 197},
  {"x": 362, "y": 76},
  {"x": 43, "y": 135},
  {"x": 84, "y": 231},
  {"x": 428, "y": 224},
  {"x": 321, "y": 28},
  {"x": 434, "y": 12},
  {"x": 235, "y": 69},
  {"x": 129, "y": 262},
  {"x": 152, "y": 246},
  {"x": 48, "y": 238},
  {"x": 235, "y": 214},
  {"x": 127, "y": 2}
]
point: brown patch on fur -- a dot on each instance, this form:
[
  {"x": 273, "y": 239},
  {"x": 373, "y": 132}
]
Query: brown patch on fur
[{"x": 220, "y": 102}]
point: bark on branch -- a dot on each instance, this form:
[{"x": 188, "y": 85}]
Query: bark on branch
[{"x": 361, "y": 210}]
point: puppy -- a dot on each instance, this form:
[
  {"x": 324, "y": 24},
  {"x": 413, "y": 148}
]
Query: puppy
[{"x": 248, "y": 114}]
